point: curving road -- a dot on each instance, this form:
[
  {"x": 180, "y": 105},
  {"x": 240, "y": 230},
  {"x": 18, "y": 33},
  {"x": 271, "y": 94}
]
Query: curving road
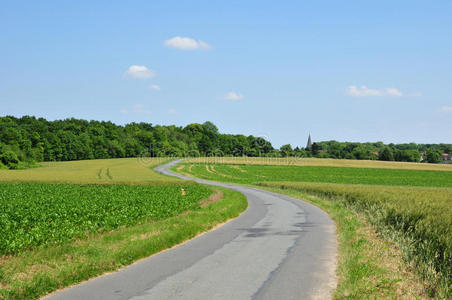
[{"x": 279, "y": 248}]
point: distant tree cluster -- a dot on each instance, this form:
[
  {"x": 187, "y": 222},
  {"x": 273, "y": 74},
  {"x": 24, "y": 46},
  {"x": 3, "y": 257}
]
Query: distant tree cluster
[
  {"x": 411, "y": 152},
  {"x": 26, "y": 140}
]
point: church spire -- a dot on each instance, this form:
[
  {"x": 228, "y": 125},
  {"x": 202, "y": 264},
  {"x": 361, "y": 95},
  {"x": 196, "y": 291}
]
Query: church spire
[{"x": 309, "y": 144}]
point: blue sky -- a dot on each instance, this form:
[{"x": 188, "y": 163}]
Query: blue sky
[{"x": 343, "y": 70}]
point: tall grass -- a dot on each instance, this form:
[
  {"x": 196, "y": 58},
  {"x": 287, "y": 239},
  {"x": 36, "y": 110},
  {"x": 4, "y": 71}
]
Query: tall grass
[{"x": 419, "y": 219}]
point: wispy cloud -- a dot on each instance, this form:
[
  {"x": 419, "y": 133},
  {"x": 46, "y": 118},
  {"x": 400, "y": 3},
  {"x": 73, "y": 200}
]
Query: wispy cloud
[
  {"x": 233, "y": 96},
  {"x": 137, "y": 109},
  {"x": 140, "y": 72},
  {"x": 154, "y": 87},
  {"x": 446, "y": 108},
  {"x": 186, "y": 43},
  {"x": 364, "y": 91}
]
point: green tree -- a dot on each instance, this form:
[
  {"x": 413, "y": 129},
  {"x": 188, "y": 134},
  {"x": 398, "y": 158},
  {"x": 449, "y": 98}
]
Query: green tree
[
  {"x": 386, "y": 154},
  {"x": 286, "y": 150},
  {"x": 407, "y": 155},
  {"x": 315, "y": 148},
  {"x": 433, "y": 156},
  {"x": 210, "y": 127},
  {"x": 9, "y": 159}
]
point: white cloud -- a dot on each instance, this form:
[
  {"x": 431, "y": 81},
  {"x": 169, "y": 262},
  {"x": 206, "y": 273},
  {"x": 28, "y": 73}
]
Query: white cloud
[
  {"x": 233, "y": 96},
  {"x": 171, "y": 111},
  {"x": 364, "y": 91},
  {"x": 186, "y": 43},
  {"x": 446, "y": 108},
  {"x": 140, "y": 72},
  {"x": 393, "y": 92},
  {"x": 154, "y": 87}
]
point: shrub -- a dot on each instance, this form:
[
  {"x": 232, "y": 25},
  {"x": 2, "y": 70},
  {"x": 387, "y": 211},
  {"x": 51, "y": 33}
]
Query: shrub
[{"x": 9, "y": 159}]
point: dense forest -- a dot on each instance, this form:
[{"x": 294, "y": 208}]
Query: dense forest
[{"x": 27, "y": 140}]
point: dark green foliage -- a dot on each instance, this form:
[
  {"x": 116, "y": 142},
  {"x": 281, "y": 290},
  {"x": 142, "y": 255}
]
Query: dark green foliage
[
  {"x": 433, "y": 156},
  {"x": 386, "y": 155},
  {"x": 9, "y": 159},
  {"x": 42, "y": 214},
  {"x": 286, "y": 150},
  {"x": 407, "y": 155}
]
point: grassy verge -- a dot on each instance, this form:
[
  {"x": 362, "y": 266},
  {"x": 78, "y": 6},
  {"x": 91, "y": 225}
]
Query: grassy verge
[
  {"x": 369, "y": 266},
  {"x": 34, "y": 273}
]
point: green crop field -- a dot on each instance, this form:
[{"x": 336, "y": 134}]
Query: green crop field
[
  {"x": 43, "y": 214},
  {"x": 411, "y": 207},
  {"x": 319, "y": 162},
  {"x": 255, "y": 173},
  {"x": 65, "y": 222}
]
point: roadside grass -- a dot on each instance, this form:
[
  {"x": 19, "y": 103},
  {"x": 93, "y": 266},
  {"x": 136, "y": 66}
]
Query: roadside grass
[
  {"x": 34, "y": 273},
  {"x": 414, "y": 222},
  {"x": 418, "y": 219},
  {"x": 369, "y": 266},
  {"x": 319, "y": 162},
  {"x": 135, "y": 171}
]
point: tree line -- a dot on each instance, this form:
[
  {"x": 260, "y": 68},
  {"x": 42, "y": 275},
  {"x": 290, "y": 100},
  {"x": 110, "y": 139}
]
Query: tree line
[
  {"x": 411, "y": 152},
  {"x": 27, "y": 140}
]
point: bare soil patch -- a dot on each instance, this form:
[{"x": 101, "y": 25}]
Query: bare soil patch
[{"x": 215, "y": 197}]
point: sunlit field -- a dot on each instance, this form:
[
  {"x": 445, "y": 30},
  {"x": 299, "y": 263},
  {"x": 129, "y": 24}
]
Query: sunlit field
[
  {"x": 319, "y": 162},
  {"x": 259, "y": 173},
  {"x": 101, "y": 171}
]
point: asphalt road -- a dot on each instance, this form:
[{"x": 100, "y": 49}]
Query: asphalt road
[{"x": 279, "y": 248}]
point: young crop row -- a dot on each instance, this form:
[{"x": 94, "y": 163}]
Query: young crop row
[
  {"x": 318, "y": 162},
  {"x": 420, "y": 219},
  {"x": 42, "y": 214},
  {"x": 256, "y": 173}
]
